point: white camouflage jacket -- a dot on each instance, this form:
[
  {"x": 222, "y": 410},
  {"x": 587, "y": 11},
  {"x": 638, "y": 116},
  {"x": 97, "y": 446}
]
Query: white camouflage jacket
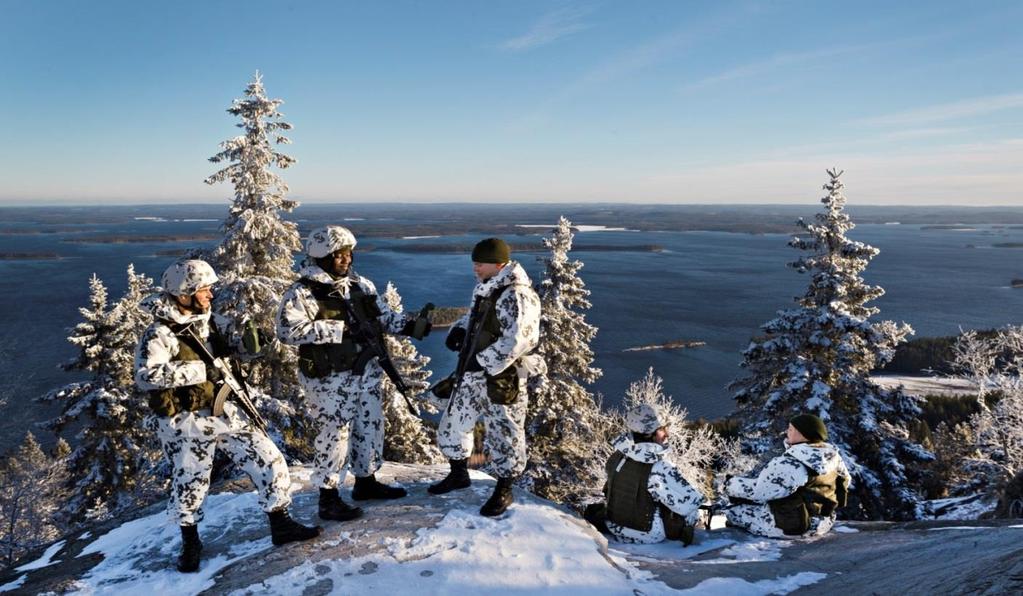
[
  {"x": 665, "y": 484},
  {"x": 296, "y": 316},
  {"x": 784, "y": 474},
  {"x": 518, "y": 311},
  {"x": 153, "y": 366}
]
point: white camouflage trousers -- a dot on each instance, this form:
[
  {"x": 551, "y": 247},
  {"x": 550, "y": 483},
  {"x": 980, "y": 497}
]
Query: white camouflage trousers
[
  {"x": 348, "y": 410},
  {"x": 189, "y": 441},
  {"x": 758, "y": 519},
  {"x": 505, "y": 426}
]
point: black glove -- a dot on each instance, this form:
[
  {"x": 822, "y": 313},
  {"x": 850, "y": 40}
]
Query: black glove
[
  {"x": 213, "y": 374},
  {"x": 416, "y": 328},
  {"x": 473, "y": 365},
  {"x": 455, "y": 339}
]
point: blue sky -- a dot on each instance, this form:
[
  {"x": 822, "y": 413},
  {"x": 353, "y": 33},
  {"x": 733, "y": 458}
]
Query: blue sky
[{"x": 650, "y": 102}]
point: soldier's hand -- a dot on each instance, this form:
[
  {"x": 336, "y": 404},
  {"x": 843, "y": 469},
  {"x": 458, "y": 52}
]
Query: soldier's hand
[
  {"x": 455, "y": 339},
  {"x": 213, "y": 374}
]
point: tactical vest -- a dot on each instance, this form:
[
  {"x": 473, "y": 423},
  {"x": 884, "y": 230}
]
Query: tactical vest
[
  {"x": 189, "y": 398},
  {"x": 819, "y": 497},
  {"x": 502, "y": 388},
  {"x": 629, "y": 503},
  {"x": 316, "y": 361}
]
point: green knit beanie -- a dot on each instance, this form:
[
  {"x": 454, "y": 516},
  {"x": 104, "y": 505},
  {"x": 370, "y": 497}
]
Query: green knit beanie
[
  {"x": 491, "y": 250},
  {"x": 811, "y": 427}
]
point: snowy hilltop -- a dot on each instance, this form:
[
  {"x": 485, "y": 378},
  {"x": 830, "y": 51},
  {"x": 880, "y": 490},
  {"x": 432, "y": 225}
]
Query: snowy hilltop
[{"x": 440, "y": 545}]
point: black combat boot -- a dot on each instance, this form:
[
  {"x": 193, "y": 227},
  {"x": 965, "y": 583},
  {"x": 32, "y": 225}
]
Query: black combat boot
[
  {"x": 457, "y": 478},
  {"x": 191, "y": 546},
  {"x": 283, "y": 529},
  {"x": 499, "y": 501},
  {"x": 368, "y": 487},
  {"x": 334, "y": 509}
]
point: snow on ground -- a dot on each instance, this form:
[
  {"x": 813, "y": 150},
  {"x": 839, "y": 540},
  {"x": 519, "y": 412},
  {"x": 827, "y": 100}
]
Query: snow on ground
[
  {"x": 843, "y": 529},
  {"x": 926, "y": 385},
  {"x": 733, "y": 586},
  {"x": 139, "y": 555},
  {"x": 45, "y": 560},
  {"x": 964, "y": 508},
  {"x": 534, "y": 548},
  {"x": 765, "y": 549}
]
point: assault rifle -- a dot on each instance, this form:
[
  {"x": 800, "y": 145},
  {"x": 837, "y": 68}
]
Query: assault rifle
[
  {"x": 448, "y": 388},
  {"x": 231, "y": 386},
  {"x": 370, "y": 334}
]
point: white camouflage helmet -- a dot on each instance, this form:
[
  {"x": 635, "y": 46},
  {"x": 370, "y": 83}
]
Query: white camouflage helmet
[
  {"x": 184, "y": 278},
  {"x": 645, "y": 419},
  {"x": 324, "y": 241}
]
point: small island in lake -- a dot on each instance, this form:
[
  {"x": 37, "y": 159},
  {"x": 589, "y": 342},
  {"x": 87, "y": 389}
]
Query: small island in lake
[
  {"x": 29, "y": 256},
  {"x": 671, "y": 345}
]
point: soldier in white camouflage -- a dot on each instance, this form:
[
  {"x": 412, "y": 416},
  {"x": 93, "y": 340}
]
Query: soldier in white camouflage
[
  {"x": 494, "y": 340},
  {"x": 648, "y": 499},
  {"x": 342, "y": 379},
  {"x": 182, "y": 385},
  {"x": 797, "y": 493}
]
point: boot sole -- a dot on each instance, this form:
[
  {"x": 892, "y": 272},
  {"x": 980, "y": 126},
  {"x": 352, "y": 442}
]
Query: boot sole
[
  {"x": 377, "y": 497},
  {"x": 444, "y": 492},
  {"x": 346, "y": 517}
]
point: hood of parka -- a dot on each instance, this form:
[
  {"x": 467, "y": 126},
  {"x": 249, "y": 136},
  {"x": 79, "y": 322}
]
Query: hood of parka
[
  {"x": 511, "y": 275},
  {"x": 647, "y": 453},
  {"x": 165, "y": 308},
  {"x": 820, "y": 457}
]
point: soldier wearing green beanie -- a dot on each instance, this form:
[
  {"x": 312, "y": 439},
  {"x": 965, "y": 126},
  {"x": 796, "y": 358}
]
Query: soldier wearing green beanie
[
  {"x": 798, "y": 493},
  {"x": 493, "y": 340}
]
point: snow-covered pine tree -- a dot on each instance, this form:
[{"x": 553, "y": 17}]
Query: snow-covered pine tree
[
  {"x": 112, "y": 464},
  {"x": 256, "y": 258},
  {"x": 31, "y": 491},
  {"x": 564, "y": 420},
  {"x": 407, "y": 438},
  {"x": 995, "y": 365},
  {"x": 817, "y": 359}
]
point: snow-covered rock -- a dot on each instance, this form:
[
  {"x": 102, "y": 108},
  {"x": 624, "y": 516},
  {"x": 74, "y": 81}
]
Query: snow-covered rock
[{"x": 440, "y": 545}]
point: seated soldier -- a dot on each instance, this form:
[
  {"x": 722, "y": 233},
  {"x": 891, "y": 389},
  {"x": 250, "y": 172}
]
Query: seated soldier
[
  {"x": 648, "y": 500},
  {"x": 798, "y": 492}
]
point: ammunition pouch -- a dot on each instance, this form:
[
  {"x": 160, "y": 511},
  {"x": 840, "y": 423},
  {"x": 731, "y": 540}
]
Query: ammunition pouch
[
  {"x": 316, "y": 361},
  {"x": 675, "y": 526},
  {"x": 168, "y": 402},
  {"x": 503, "y": 388},
  {"x": 443, "y": 388},
  {"x": 791, "y": 514},
  {"x": 819, "y": 497}
]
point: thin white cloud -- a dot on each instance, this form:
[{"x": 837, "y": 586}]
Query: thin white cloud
[
  {"x": 977, "y": 106},
  {"x": 760, "y": 67},
  {"x": 549, "y": 28}
]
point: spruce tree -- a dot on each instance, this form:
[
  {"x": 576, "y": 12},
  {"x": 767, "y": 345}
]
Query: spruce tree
[
  {"x": 113, "y": 460},
  {"x": 564, "y": 420},
  {"x": 255, "y": 260},
  {"x": 817, "y": 358},
  {"x": 407, "y": 438}
]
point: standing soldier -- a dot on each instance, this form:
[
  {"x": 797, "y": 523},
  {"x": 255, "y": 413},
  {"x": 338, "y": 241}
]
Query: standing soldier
[
  {"x": 798, "y": 492},
  {"x": 173, "y": 363},
  {"x": 499, "y": 331},
  {"x": 335, "y": 316}
]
